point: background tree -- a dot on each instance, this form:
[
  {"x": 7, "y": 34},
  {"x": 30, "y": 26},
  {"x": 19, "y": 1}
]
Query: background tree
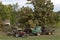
[
  {"x": 57, "y": 16},
  {"x": 2, "y": 13},
  {"x": 13, "y": 18},
  {"x": 26, "y": 14}
]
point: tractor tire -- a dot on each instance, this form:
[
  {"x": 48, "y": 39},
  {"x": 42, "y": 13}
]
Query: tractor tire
[{"x": 17, "y": 35}]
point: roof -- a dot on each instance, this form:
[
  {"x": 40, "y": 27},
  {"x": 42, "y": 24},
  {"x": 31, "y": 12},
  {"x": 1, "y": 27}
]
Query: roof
[{"x": 7, "y": 21}]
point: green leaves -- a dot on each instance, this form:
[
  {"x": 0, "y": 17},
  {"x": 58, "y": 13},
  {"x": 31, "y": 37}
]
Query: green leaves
[
  {"x": 42, "y": 15},
  {"x": 43, "y": 11},
  {"x": 25, "y": 14}
]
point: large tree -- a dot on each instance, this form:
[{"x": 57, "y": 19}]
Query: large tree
[{"x": 43, "y": 11}]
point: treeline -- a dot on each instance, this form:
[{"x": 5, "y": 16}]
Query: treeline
[{"x": 42, "y": 14}]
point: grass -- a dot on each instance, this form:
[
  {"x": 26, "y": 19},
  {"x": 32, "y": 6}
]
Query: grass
[
  {"x": 56, "y": 36},
  {"x": 42, "y": 37}
]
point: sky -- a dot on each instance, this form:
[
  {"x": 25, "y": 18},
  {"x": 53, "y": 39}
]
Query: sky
[{"x": 23, "y": 3}]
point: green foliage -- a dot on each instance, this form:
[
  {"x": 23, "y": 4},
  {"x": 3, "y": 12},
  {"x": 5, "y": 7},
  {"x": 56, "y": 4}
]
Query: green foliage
[
  {"x": 42, "y": 15},
  {"x": 58, "y": 15},
  {"x": 25, "y": 14},
  {"x": 2, "y": 13},
  {"x": 43, "y": 11},
  {"x": 14, "y": 14}
]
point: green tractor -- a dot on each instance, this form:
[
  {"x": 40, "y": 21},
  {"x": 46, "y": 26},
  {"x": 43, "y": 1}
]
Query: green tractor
[{"x": 36, "y": 30}]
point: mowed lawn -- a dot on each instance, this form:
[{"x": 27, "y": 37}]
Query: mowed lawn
[{"x": 56, "y": 36}]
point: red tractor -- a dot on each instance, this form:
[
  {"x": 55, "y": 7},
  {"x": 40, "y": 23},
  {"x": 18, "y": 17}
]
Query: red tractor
[
  {"x": 20, "y": 33},
  {"x": 17, "y": 33}
]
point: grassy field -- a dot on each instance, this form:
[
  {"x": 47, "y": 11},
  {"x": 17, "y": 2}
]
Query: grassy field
[{"x": 56, "y": 36}]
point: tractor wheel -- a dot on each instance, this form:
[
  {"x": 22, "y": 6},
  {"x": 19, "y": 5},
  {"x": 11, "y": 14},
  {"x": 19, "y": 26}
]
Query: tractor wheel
[
  {"x": 17, "y": 35},
  {"x": 49, "y": 33}
]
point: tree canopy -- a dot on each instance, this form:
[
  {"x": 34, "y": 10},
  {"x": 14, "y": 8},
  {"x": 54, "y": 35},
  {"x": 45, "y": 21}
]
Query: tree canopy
[{"x": 42, "y": 14}]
